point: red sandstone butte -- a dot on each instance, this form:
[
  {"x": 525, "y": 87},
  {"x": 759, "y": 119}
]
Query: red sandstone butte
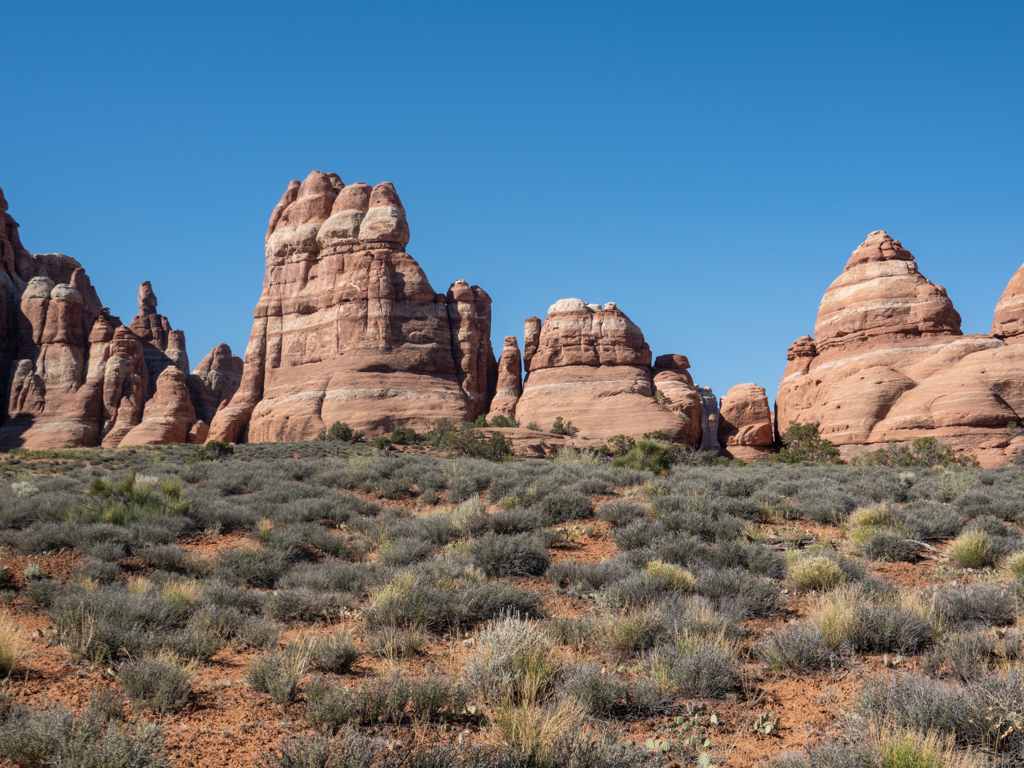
[
  {"x": 888, "y": 361},
  {"x": 349, "y": 329},
  {"x": 590, "y": 365}
]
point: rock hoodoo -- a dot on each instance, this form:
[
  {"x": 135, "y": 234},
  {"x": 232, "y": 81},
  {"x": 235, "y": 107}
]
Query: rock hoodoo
[
  {"x": 745, "y": 428},
  {"x": 590, "y": 365},
  {"x": 348, "y": 328},
  {"x": 888, "y": 361},
  {"x": 510, "y": 381},
  {"x": 70, "y": 372}
]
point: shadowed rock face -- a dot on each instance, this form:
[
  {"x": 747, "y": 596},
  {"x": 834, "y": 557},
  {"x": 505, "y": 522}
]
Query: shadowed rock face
[
  {"x": 214, "y": 382},
  {"x": 1008, "y": 321},
  {"x": 71, "y": 372},
  {"x": 510, "y": 381},
  {"x": 590, "y": 365},
  {"x": 889, "y": 362},
  {"x": 348, "y": 328}
]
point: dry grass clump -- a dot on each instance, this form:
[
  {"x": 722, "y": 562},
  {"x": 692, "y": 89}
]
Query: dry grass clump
[
  {"x": 815, "y": 572},
  {"x": 972, "y": 549},
  {"x": 515, "y": 663},
  {"x": 853, "y": 618},
  {"x": 12, "y": 647},
  {"x": 539, "y": 731},
  {"x": 675, "y": 578},
  {"x": 1014, "y": 565}
]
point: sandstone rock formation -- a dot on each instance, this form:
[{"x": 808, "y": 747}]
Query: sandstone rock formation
[
  {"x": 349, "y": 329},
  {"x": 70, "y": 372},
  {"x": 675, "y": 389},
  {"x": 1008, "y": 321},
  {"x": 745, "y": 429},
  {"x": 510, "y": 381},
  {"x": 889, "y": 362},
  {"x": 590, "y": 365},
  {"x": 214, "y": 382}
]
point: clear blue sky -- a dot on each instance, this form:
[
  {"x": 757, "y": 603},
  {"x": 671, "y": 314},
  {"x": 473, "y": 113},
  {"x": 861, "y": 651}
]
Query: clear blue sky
[{"x": 708, "y": 166}]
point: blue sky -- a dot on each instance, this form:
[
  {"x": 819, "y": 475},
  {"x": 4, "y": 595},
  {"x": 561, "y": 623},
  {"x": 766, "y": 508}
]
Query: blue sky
[{"x": 707, "y": 166}]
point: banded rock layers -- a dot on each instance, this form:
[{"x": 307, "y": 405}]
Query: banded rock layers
[
  {"x": 70, "y": 372},
  {"x": 888, "y": 360},
  {"x": 590, "y": 365},
  {"x": 348, "y": 328}
]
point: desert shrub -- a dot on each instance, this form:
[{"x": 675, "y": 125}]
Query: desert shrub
[
  {"x": 279, "y": 672},
  {"x": 565, "y": 506},
  {"x": 619, "y": 512},
  {"x": 327, "y": 576},
  {"x": 514, "y": 663},
  {"x": 639, "y": 534},
  {"x": 405, "y": 551},
  {"x": 46, "y": 537},
  {"x": 973, "y": 549},
  {"x": 889, "y": 547},
  {"x": 796, "y": 648},
  {"x": 932, "y": 521},
  {"x": 825, "y": 504},
  {"x": 980, "y": 715},
  {"x": 739, "y": 590},
  {"x": 394, "y": 643},
  {"x": 924, "y": 452},
  {"x": 801, "y": 442},
  {"x": 412, "y": 600},
  {"x": 816, "y": 573},
  {"x": 577, "y": 577},
  {"x": 291, "y": 605},
  {"x": 694, "y": 667},
  {"x": 648, "y": 455},
  {"x": 54, "y": 735},
  {"x": 961, "y": 655},
  {"x": 630, "y": 633},
  {"x": 852, "y": 617},
  {"x": 515, "y": 520},
  {"x": 560, "y": 427},
  {"x": 988, "y": 604},
  {"x": 11, "y": 645},
  {"x": 157, "y": 683},
  {"x": 253, "y": 565},
  {"x": 519, "y": 555},
  {"x": 337, "y": 653}
]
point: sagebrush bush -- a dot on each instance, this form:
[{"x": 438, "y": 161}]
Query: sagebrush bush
[
  {"x": 158, "y": 683},
  {"x": 54, "y": 735},
  {"x": 279, "y": 672},
  {"x": 337, "y": 653},
  {"x": 501, "y": 555},
  {"x": 514, "y": 663},
  {"x": 796, "y": 648}
]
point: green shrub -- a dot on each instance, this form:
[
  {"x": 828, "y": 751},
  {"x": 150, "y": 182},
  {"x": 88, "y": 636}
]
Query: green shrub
[
  {"x": 563, "y": 427},
  {"x": 404, "y": 436},
  {"x": 973, "y": 549},
  {"x": 803, "y": 443},
  {"x": 503, "y": 422},
  {"x": 382, "y": 443},
  {"x": 648, "y": 455}
]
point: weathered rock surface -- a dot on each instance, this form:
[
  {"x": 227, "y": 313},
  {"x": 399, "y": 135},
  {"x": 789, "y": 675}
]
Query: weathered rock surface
[
  {"x": 590, "y": 365},
  {"x": 510, "y": 381},
  {"x": 889, "y": 361},
  {"x": 168, "y": 416},
  {"x": 1008, "y": 321},
  {"x": 745, "y": 428},
  {"x": 72, "y": 373},
  {"x": 348, "y": 328},
  {"x": 678, "y": 393},
  {"x": 214, "y": 382}
]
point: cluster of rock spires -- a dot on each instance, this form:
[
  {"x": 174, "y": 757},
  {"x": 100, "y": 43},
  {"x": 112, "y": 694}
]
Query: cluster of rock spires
[
  {"x": 888, "y": 361},
  {"x": 74, "y": 374},
  {"x": 348, "y": 328}
]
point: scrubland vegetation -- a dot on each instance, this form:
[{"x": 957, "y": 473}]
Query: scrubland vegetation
[{"x": 335, "y": 604}]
